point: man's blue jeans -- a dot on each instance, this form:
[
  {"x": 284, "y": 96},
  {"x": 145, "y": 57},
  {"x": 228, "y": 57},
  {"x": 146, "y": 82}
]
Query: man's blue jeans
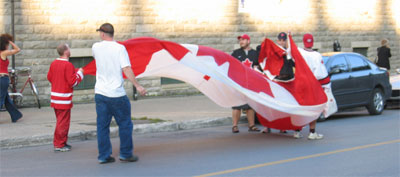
[{"x": 120, "y": 108}]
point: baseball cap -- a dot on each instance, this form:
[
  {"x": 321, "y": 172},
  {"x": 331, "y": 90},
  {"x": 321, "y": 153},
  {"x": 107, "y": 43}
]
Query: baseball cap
[
  {"x": 282, "y": 35},
  {"x": 106, "y": 28},
  {"x": 308, "y": 40},
  {"x": 244, "y": 36}
]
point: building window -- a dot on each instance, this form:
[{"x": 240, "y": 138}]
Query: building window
[
  {"x": 166, "y": 81},
  {"x": 361, "y": 50},
  {"x": 88, "y": 81}
]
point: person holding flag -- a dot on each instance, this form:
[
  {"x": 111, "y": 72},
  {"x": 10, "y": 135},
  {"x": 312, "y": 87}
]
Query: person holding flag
[
  {"x": 111, "y": 61},
  {"x": 286, "y": 69},
  {"x": 248, "y": 57},
  {"x": 304, "y": 88},
  {"x": 286, "y": 73},
  {"x": 63, "y": 78},
  {"x": 317, "y": 67}
]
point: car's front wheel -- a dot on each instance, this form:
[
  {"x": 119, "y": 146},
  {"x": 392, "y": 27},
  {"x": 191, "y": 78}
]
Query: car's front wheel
[{"x": 376, "y": 103}]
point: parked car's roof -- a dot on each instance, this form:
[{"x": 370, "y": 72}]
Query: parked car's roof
[{"x": 328, "y": 54}]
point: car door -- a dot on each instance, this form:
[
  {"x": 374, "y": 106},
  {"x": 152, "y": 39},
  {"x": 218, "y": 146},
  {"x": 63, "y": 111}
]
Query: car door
[
  {"x": 338, "y": 70},
  {"x": 361, "y": 76}
]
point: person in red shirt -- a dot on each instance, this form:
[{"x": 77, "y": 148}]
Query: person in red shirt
[
  {"x": 63, "y": 78},
  {"x": 5, "y": 41}
]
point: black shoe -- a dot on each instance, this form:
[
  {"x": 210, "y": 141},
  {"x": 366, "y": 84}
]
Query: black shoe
[
  {"x": 130, "y": 159},
  {"x": 68, "y": 146},
  {"x": 15, "y": 120},
  {"x": 108, "y": 160}
]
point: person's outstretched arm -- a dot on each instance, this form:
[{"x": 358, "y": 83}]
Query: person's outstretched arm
[{"x": 131, "y": 77}]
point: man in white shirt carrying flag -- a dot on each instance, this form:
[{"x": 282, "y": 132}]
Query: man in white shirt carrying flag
[
  {"x": 317, "y": 67},
  {"x": 111, "y": 61}
]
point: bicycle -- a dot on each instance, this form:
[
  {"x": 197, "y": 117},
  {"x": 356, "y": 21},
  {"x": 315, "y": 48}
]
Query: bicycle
[{"x": 17, "y": 95}]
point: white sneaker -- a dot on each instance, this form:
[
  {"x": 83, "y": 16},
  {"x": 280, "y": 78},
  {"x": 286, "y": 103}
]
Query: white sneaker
[
  {"x": 266, "y": 130},
  {"x": 315, "y": 136},
  {"x": 297, "y": 135}
]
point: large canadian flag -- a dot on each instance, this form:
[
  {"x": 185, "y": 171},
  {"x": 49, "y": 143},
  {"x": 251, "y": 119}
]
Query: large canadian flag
[{"x": 228, "y": 82}]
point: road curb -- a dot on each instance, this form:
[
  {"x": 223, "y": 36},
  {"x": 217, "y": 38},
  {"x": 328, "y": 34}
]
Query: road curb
[{"x": 38, "y": 140}]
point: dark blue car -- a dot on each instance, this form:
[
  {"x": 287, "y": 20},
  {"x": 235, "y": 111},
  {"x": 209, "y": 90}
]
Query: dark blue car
[{"x": 357, "y": 82}]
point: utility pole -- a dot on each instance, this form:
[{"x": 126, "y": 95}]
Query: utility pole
[{"x": 13, "y": 31}]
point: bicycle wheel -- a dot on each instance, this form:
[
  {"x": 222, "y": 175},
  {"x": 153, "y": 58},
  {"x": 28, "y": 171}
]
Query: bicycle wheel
[{"x": 35, "y": 93}]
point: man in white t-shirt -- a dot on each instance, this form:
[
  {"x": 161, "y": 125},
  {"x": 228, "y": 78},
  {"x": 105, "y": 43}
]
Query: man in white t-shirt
[
  {"x": 317, "y": 67},
  {"x": 110, "y": 97}
]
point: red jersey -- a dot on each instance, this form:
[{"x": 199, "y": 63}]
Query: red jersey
[{"x": 63, "y": 78}]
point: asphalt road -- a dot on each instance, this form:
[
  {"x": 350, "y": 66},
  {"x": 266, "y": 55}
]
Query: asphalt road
[{"x": 355, "y": 144}]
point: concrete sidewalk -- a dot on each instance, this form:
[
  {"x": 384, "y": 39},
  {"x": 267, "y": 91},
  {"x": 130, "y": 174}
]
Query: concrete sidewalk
[{"x": 180, "y": 113}]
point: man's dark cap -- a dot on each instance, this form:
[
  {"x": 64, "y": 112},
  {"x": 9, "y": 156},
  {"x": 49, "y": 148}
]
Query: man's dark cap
[
  {"x": 106, "y": 28},
  {"x": 282, "y": 36}
]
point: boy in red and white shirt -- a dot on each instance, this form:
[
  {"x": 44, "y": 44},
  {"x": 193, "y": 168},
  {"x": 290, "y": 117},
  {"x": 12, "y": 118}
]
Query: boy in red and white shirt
[{"x": 63, "y": 77}]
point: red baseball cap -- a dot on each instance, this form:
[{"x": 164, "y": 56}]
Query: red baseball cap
[
  {"x": 308, "y": 40},
  {"x": 244, "y": 36}
]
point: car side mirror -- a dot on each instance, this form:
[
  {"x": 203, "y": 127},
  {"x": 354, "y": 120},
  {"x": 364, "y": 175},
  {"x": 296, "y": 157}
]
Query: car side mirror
[{"x": 334, "y": 70}]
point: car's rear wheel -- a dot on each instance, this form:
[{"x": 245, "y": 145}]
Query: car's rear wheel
[{"x": 376, "y": 103}]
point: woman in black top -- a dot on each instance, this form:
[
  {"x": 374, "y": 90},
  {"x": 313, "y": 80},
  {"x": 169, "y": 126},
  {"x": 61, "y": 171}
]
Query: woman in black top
[{"x": 384, "y": 55}]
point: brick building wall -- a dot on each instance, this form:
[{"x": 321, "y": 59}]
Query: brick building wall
[{"x": 40, "y": 25}]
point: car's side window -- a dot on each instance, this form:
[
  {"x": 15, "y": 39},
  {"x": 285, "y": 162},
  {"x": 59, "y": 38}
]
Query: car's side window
[
  {"x": 357, "y": 63},
  {"x": 338, "y": 65}
]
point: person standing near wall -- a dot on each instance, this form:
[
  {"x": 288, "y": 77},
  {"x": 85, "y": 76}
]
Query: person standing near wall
[
  {"x": 248, "y": 57},
  {"x": 317, "y": 67},
  {"x": 287, "y": 71},
  {"x": 5, "y": 41},
  {"x": 110, "y": 97},
  {"x": 384, "y": 55},
  {"x": 63, "y": 78}
]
